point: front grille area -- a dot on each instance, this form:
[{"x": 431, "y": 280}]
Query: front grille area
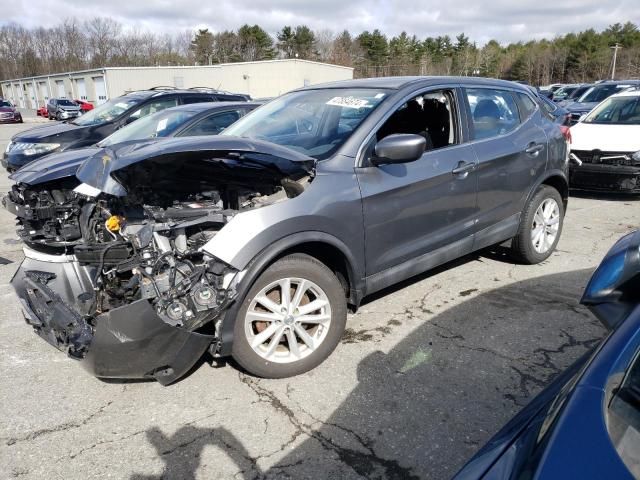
[
  {"x": 605, "y": 158},
  {"x": 6, "y": 115}
]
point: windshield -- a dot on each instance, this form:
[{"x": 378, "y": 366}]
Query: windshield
[
  {"x": 66, "y": 103},
  {"x": 600, "y": 92},
  {"x": 616, "y": 111},
  {"x": 4, "y": 104},
  {"x": 563, "y": 92},
  {"x": 161, "y": 124},
  {"x": 313, "y": 122},
  {"x": 107, "y": 111}
]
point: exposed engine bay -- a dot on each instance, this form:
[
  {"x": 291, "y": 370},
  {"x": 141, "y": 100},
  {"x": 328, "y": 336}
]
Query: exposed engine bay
[{"x": 146, "y": 244}]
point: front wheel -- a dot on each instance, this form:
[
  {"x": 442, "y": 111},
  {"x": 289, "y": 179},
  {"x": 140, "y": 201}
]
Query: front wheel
[
  {"x": 291, "y": 319},
  {"x": 540, "y": 227}
]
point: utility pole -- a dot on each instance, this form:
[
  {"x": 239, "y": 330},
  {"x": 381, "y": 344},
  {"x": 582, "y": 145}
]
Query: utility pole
[{"x": 615, "y": 48}]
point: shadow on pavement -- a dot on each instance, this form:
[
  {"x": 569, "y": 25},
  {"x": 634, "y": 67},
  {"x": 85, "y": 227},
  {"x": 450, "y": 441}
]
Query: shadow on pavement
[{"x": 423, "y": 408}]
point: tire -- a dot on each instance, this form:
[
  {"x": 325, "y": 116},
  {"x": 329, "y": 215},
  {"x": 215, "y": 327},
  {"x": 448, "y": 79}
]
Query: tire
[
  {"x": 540, "y": 227},
  {"x": 279, "y": 360}
]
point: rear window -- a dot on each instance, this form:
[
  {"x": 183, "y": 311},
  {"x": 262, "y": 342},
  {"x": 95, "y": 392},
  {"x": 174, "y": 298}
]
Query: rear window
[{"x": 526, "y": 106}]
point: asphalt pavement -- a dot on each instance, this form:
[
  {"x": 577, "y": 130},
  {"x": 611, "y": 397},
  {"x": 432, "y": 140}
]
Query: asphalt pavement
[{"x": 426, "y": 372}]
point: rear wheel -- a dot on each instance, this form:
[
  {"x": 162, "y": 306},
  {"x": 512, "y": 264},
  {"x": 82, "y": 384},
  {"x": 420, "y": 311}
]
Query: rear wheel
[
  {"x": 291, "y": 319},
  {"x": 540, "y": 227}
]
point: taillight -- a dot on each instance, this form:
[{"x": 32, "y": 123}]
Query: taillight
[{"x": 566, "y": 132}]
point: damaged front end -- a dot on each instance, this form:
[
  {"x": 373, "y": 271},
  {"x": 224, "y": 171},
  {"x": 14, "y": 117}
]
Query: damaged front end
[
  {"x": 605, "y": 171},
  {"x": 114, "y": 271}
]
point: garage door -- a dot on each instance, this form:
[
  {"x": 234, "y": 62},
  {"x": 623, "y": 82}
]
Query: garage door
[
  {"x": 60, "y": 89},
  {"x": 32, "y": 97},
  {"x": 101, "y": 92},
  {"x": 44, "y": 93},
  {"x": 81, "y": 89}
]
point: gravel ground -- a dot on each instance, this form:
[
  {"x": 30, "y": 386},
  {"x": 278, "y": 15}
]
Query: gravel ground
[{"x": 427, "y": 371}]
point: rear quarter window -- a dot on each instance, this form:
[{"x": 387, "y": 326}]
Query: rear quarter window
[{"x": 526, "y": 106}]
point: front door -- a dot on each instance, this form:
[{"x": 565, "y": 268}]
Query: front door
[{"x": 420, "y": 213}]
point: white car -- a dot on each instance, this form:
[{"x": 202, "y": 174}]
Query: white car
[{"x": 605, "y": 146}]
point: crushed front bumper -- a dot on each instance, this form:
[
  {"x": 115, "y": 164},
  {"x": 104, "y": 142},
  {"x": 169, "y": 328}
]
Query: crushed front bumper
[
  {"x": 610, "y": 178},
  {"x": 127, "y": 342}
]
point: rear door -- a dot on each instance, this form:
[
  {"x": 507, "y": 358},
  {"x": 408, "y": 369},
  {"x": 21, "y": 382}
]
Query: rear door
[
  {"x": 413, "y": 209},
  {"x": 512, "y": 153}
]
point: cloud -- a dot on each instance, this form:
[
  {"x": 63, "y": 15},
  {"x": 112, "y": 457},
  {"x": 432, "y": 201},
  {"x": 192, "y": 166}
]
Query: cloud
[{"x": 503, "y": 20}]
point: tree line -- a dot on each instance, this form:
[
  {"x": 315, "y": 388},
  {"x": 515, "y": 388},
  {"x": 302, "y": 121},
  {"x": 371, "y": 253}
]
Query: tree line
[{"x": 103, "y": 42}]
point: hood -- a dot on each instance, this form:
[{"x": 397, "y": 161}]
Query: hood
[
  {"x": 606, "y": 138},
  {"x": 48, "y": 133},
  {"x": 53, "y": 167},
  {"x": 97, "y": 171},
  {"x": 7, "y": 109}
]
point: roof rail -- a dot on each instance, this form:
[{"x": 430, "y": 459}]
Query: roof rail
[
  {"x": 206, "y": 89},
  {"x": 163, "y": 87}
]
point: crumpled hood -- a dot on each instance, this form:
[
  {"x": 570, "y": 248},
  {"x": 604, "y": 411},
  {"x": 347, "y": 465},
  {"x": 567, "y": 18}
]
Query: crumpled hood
[
  {"x": 606, "y": 138},
  {"x": 97, "y": 171},
  {"x": 53, "y": 167},
  {"x": 47, "y": 133}
]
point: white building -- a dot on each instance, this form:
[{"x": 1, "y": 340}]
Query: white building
[{"x": 268, "y": 78}]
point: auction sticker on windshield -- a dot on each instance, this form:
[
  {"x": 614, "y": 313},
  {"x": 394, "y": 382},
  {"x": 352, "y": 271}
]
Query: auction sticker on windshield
[{"x": 349, "y": 102}]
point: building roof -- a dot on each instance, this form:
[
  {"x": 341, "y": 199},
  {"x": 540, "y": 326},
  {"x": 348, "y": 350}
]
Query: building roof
[{"x": 165, "y": 67}]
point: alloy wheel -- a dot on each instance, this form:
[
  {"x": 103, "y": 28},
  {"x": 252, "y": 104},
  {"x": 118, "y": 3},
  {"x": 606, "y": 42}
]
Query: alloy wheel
[
  {"x": 546, "y": 223},
  {"x": 288, "y": 320}
]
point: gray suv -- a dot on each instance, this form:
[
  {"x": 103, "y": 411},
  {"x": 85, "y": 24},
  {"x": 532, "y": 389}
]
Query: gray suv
[
  {"x": 62, "y": 109},
  {"x": 255, "y": 242}
]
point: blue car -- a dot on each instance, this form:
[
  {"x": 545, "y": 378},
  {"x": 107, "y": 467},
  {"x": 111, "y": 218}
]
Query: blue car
[{"x": 586, "y": 424}]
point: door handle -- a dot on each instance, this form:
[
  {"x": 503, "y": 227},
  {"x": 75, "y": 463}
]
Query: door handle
[
  {"x": 534, "y": 148},
  {"x": 463, "y": 169}
]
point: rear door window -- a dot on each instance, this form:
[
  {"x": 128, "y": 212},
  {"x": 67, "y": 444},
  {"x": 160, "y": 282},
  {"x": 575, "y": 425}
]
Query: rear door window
[
  {"x": 213, "y": 124},
  {"x": 493, "y": 112},
  {"x": 197, "y": 99},
  {"x": 155, "y": 106}
]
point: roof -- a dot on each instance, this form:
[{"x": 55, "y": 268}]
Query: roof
[
  {"x": 397, "y": 83},
  {"x": 204, "y": 106}
]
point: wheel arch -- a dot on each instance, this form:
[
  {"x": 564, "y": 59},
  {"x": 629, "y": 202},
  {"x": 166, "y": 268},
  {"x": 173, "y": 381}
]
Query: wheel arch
[
  {"x": 324, "y": 247},
  {"x": 555, "y": 179}
]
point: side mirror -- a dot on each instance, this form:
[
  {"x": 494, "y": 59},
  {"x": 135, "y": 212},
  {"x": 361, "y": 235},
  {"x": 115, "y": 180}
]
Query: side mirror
[{"x": 399, "y": 148}]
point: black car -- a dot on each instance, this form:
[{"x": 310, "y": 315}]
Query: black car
[
  {"x": 570, "y": 93},
  {"x": 183, "y": 121},
  {"x": 62, "y": 109},
  {"x": 101, "y": 122}
]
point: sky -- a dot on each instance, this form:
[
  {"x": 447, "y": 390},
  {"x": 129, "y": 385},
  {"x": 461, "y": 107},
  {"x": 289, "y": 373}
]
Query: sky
[{"x": 503, "y": 20}]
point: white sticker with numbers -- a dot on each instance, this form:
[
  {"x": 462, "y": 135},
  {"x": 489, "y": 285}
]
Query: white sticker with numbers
[{"x": 349, "y": 102}]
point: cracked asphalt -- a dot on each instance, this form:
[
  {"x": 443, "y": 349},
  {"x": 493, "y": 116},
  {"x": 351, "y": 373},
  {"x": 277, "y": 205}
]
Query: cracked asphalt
[{"x": 426, "y": 372}]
